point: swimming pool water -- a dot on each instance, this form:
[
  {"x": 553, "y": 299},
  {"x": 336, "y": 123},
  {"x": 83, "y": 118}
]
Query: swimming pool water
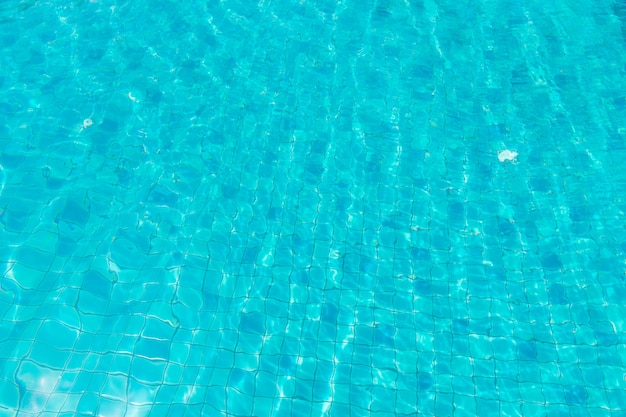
[{"x": 312, "y": 208}]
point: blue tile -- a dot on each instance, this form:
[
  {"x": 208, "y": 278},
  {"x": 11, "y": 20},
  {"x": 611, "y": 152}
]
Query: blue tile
[
  {"x": 147, "y": 371},
  {"x": 239, "y": 403},
  {"x": 253, "y": 323},
  {"x": 527, "y": 350},
  {"x": 551, "y": 261},
  {"x": 384, "y": 335},
  {"x": 97, "y": 285},
  {"x": 152, "y": 348},
  {"x": 576, "y": 396},
  {"x": 14, "y": 221}
]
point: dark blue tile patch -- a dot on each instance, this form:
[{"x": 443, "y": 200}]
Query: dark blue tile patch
[
  {"x": 253, "y": 323},
  {"x": 420, "y": 254},
  {"x": 460, "y": 326},
  {"x": 97, "y": 284},
  {"x": 551, "y": 261},
  {"x": 425, "y": 381},
  {"x": 287, "y": 364},
  {"x": 527, "y": 350},
  {"x": 162, "y": 196},
  {"x": 329, "y": 313},
  {"x": 557, "y": 294}
]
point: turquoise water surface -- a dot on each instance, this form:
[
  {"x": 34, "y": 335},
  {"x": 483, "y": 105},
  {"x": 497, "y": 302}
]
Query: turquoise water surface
[{"x": 313, "y": 208}]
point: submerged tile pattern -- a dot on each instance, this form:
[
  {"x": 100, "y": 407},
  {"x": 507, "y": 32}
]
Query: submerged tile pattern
[{"x": 298, "y": 208}]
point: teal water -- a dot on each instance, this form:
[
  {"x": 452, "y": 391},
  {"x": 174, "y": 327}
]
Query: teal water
[{"x": 313, "y": 208}]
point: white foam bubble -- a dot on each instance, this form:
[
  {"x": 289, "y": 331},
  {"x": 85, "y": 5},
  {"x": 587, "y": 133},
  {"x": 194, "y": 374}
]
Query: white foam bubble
[{"x": 507, "y": 155}]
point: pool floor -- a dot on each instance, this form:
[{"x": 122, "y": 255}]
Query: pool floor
[{"x": 312, "y": 208}]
